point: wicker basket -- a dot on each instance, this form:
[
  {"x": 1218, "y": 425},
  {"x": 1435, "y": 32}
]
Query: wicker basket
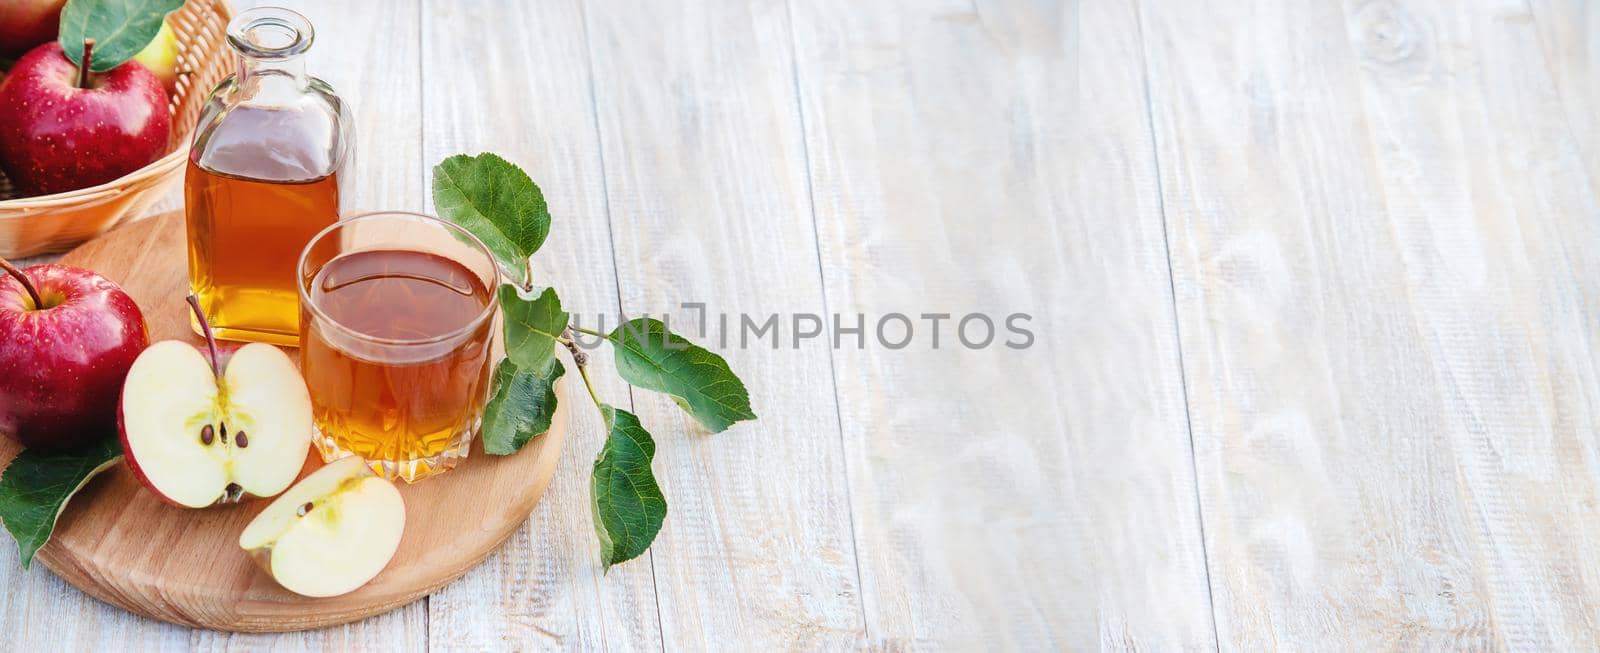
[{"x": 54, "y": 223}]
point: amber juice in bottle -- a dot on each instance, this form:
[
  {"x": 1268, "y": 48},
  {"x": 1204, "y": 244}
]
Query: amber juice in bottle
[
  {"x": 263, "y": 178},
  {"x": 396, "y": 358}
]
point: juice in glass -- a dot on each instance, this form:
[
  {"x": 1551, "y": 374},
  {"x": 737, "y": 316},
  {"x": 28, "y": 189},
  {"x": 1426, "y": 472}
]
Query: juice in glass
[{"x": 395, "y": 341}]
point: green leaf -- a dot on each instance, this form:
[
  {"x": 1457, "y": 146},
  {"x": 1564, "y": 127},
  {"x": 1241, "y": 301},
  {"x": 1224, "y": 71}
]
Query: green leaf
[
  {"x": 120, "y": 28},
  {"x": 628, "y": 505},
  {"x": 520, "y": 406},
  {"x": 532, "y": 326},
  {"x": 497, "y": 202},
  {"x": 651, "y": 357},
  {"x": 35, "y": 488}
]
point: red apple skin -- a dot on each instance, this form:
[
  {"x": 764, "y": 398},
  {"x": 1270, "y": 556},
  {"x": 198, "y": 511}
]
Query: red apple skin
[
  {"x": 25, "y": 24},
  {"x": 56, "y": 137},
  {"x": 61, "y": 368}
]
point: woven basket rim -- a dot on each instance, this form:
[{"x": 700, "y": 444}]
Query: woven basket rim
[{"x": 118, "y": 185}]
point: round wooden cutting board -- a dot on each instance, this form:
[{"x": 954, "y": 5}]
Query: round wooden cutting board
[{"x": 119, "y": 543}]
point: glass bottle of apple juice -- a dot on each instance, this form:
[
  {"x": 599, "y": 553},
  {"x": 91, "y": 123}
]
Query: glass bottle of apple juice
[{"x": 263, "y": 178}]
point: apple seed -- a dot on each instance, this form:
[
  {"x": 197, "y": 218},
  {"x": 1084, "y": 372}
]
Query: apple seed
[
  {"x": 232, "y": 492},
  {"x": 239, "y": 439},
  {"x": 206, "y": 434},
  {"x": 224, "y": 428},
  {"x": 304, "y": 508}
]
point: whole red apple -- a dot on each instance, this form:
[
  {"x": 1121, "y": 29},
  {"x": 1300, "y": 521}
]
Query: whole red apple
[
  {"x": 63, "y": 360},
  {"x": 56, "y": 136},
  {"x": 25, "y": 24}
]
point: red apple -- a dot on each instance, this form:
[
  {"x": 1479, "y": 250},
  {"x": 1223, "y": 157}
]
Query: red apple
[
  {"x": 25, "y": 24},
  {"x": 62, "y": 363},
  {"x": 56, "y": 136}
]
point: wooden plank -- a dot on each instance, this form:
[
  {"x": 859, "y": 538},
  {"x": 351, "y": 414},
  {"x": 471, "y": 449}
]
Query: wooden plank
[
  {"x": 706, "y": 180},
  {"x": 1379, "y": 229},
  {"x": 1570, "y": 35},
  {"x": 1004, "y": 498},
  {"x": 385, "y": 91},
  {"x": 42, "y": 612},
  {"x": 513, "y": 78},
  {"x": 371, "y": 52}
]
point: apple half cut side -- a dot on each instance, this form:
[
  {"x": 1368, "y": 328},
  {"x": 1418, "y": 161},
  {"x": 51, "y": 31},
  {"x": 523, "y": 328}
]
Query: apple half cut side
[
  {"x": 330, "y": 533},
  {"x": 196, "y": 437}
]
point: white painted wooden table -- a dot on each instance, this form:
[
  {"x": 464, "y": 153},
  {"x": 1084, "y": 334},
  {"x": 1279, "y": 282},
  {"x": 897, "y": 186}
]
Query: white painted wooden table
[{"x": 1315, "y": 284}]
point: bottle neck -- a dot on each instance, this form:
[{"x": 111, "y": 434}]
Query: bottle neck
[
  {"x": 254, "y": 72},
  {"x": 269, "y": 44}
]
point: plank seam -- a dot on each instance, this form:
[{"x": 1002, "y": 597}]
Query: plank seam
[
  {"x": 822, "y": 284},
  {"x": 1177, "y": 324},
  {"x": 616, "y": 270}
]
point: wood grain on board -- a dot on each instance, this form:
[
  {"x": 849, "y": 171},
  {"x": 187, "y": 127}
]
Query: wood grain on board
[
  {"x": 1038, "y": 497},
  {"x": 1381, "y": 240},
  {"x": 124, "y": 545},
  {"x": 368, "y": 52}
]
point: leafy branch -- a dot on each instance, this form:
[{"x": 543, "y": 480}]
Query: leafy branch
[{"x": 504, "y": 208}]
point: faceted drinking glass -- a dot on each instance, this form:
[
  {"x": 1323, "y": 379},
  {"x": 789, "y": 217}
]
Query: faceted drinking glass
[{"x": 396, "y": 318}]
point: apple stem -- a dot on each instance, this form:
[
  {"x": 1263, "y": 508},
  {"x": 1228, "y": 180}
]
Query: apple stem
[
  {"x": 83, "y": 68},
  {"x": 211, "y": 340},
  {"x": 27, "y": 285}
]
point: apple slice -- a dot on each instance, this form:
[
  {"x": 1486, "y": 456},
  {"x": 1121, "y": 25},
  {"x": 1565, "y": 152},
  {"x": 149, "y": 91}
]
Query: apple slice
[
  {"x": 197, "y": 436},
  {"x": 330, "y": 533}
]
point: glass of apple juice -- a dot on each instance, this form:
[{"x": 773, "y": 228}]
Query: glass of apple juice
[{"x": 396, "y": 317}]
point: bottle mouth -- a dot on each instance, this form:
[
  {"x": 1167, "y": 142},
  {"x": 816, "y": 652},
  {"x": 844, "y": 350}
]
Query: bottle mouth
[{"x": 270, "y": 33}]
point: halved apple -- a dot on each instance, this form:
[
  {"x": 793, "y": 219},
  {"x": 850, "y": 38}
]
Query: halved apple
[
  {"x": 195, "y": 437},
  {"x": 330, "y": 533}
]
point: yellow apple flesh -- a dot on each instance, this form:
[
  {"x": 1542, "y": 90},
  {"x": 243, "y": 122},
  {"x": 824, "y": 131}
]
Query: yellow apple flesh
[{"x": 330, "y": 533}]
